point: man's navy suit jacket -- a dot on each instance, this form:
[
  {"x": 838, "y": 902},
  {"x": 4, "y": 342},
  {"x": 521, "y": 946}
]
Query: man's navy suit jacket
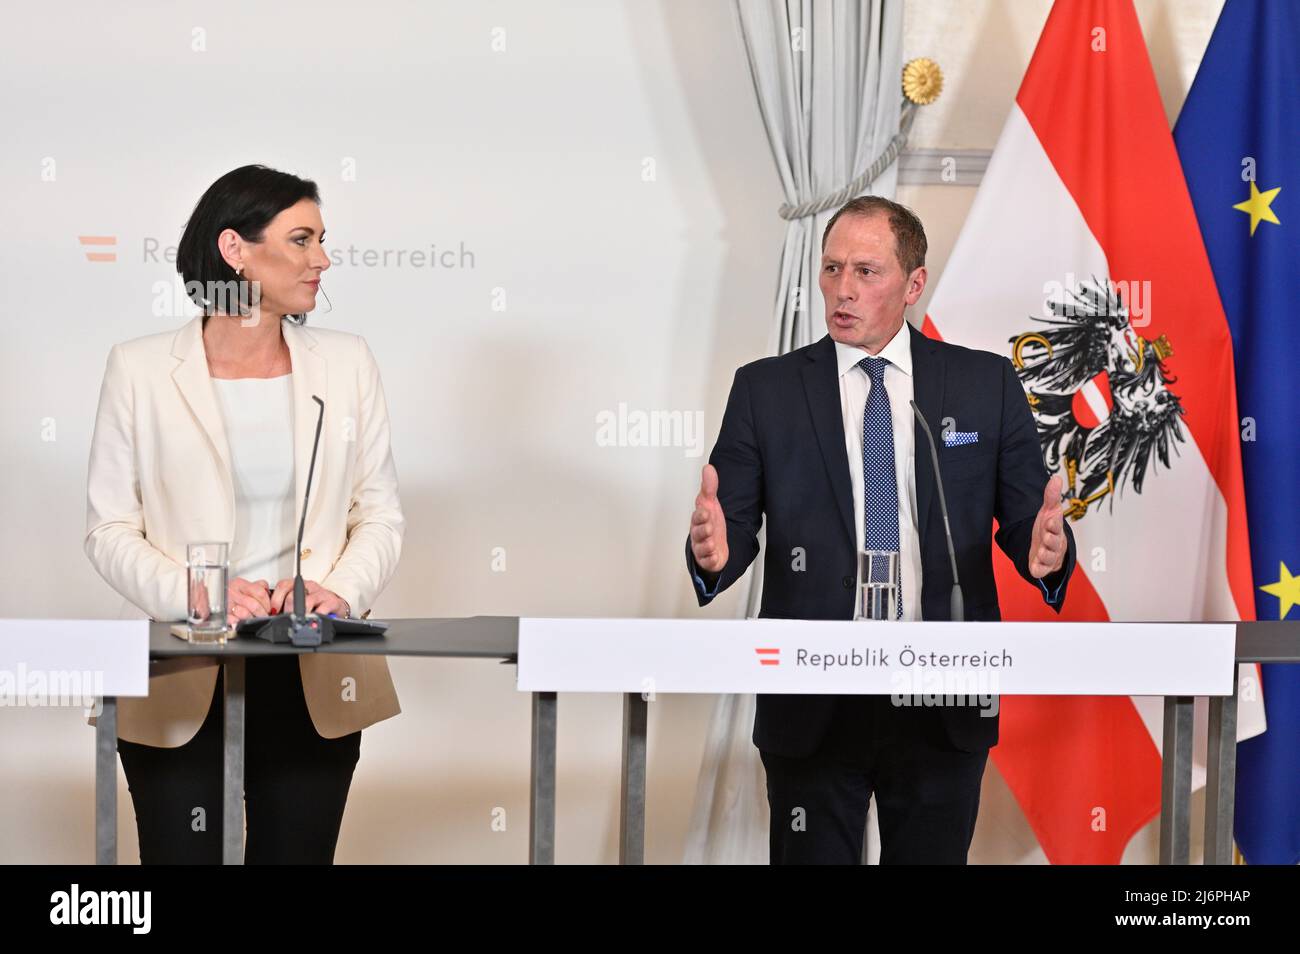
[{"x": 781, "y": 455}]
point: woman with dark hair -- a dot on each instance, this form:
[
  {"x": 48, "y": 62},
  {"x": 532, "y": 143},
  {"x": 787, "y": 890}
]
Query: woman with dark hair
[{"x": 205, "y": 434}]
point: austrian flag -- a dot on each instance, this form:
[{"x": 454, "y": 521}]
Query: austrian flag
[{"x": 1135, "y": 401}]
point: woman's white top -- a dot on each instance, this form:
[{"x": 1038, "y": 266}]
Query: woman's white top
[{"x": 259, "y": 428}]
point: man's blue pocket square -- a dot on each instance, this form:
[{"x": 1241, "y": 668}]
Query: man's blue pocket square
[{"x": 957, "y": 438}]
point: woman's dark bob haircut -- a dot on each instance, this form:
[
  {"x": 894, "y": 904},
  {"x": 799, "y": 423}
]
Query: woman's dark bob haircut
[{"x": 246, "y": 200}]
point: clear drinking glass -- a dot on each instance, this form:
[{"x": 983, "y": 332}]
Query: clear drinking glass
[
  {"x": 879, "y": 582},
  {"x": 207, "y": 566}
]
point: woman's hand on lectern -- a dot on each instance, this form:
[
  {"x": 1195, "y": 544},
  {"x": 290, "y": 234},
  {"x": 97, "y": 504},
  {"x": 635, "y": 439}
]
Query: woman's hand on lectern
[
  {"x": 246, "y": 599},
  {"x": 319, "y": 600}
]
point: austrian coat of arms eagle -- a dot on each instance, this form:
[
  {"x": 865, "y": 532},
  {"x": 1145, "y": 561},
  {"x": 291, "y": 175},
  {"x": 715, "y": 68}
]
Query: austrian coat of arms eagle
[{"x": 1100, "y": 395}]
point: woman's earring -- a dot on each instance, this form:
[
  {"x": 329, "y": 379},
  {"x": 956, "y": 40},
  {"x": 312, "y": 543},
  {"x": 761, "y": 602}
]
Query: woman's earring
[{"x": 245, "y": 311}]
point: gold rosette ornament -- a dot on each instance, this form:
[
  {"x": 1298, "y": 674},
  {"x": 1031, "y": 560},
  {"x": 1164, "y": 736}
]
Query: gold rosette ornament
[{"x": 922, "y": 81}]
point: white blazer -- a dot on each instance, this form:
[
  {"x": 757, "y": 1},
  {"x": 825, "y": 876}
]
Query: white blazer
[{"x": 160, "y": 478}]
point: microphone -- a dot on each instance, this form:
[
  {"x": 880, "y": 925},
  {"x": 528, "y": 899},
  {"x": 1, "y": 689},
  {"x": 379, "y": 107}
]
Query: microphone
[
  {"x": 958, "y": 608},
  {"x": 299, "y": 627},
  {"x": 299, "y": 588}
]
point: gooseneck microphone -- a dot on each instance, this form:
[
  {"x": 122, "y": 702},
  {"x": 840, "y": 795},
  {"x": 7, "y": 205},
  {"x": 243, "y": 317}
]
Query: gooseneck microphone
[
  {"x": 300, "y": 627},
  {"x": 958, "y": 605},
  {"x": 299, "y": 588}
]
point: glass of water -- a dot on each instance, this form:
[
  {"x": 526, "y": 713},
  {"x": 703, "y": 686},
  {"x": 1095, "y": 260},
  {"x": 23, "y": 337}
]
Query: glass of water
[
  {"x": 207, "y": 566},
  {"x": 879, "y": 584}
]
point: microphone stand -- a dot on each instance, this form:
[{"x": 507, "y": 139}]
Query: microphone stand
[{"x": 957, "y": 609}]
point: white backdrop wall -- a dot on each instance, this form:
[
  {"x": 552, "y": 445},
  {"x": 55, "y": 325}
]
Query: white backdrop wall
[{"x": 603, "y": 167}]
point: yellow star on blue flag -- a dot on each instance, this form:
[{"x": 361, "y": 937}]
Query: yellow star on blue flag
[
  {"x": 1259, "y": 206},
  {"x": 1286, "y": 589}
]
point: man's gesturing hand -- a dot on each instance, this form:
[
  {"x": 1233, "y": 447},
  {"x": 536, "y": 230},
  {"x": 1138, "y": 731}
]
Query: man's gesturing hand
[
  {"x": 1047, "y": 547},
  {"x": 708, "y": 525}
]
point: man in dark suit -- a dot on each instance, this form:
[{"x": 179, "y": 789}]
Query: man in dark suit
[{"x": 823, "y": 443}]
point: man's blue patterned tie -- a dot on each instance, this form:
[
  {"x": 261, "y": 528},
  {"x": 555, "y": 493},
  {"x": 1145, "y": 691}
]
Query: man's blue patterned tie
[{"x": 879, "y": 478}]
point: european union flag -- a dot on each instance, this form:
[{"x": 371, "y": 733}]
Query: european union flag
[{"x": 1239, "y": 141}]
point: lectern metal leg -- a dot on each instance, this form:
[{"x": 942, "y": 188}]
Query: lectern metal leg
[
  {"x": 631, "y": 833},
  {"x": 1176, "y": 782},
  {"x": 541, "y": 801},
  {"x": 1221, "y": 778},
  {"x": 106, "y": 783},
  {"x": 232, "y": 800}
]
